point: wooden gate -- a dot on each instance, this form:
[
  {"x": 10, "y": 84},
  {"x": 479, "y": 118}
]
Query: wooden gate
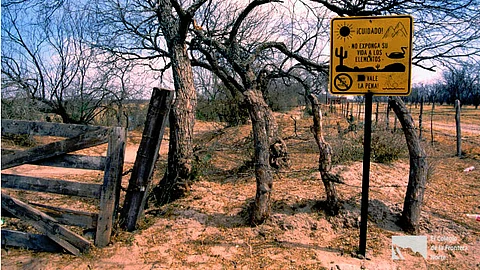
[{"x": 52, "y": 221}]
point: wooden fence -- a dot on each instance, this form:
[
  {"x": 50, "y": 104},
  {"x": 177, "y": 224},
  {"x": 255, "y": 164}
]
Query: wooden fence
[{"x": 52, "y": 222}]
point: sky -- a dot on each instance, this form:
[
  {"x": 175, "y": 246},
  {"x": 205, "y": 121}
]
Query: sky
[
  {"x": 422, "y": 76},
  {"x": 418, "y": 75}
]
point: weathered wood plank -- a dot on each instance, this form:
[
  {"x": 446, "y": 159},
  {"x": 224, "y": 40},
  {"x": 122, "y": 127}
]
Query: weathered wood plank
[
  {"x": 70, "y": 188},
  {"x": 74, "y": 162},
  {"x": 147, "y": 155},
  {"x": 45, "y": 128},
  {"x": 111, "y": 187},
  {"x": 47, "y": 225},
  {"x": 56, "y": 148},
  {"x": 70, "y": 217},
  {"x": 29, "y": 241},
  {"x": 67, "y": 161}
]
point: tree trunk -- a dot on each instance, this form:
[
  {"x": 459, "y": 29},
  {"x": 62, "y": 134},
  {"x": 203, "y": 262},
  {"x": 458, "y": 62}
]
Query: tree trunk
[
  {"x": 277, "y": 147},
  {"x": 261, "y": 120},
  {"x": 387, "y": 120},
  {"x": 418, "y": 169},
  {"x": 458, "y": 128},
  {"x": 395, "y": 124},
  {"x": 325, "y": 159},
  {"x": 182, "y": 118}
]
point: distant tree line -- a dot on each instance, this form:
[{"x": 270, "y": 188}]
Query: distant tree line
[{"x": 461, "y": 82}]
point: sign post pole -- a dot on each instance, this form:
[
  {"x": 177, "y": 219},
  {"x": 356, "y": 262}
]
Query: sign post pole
[
  {"x": 370, "y": 56},
  {"x": 366, "y": 173}
]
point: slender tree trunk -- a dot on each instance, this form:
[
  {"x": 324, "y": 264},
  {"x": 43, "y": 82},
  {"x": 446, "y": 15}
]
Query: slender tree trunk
[
  {"x": 395, "y": 120},
  {"x": 277, "y": 148},
  {"x": 258, "y": 110},
  {"x": 418, "y": 168},
  {"x": 388, "y": 116},
  {"x": 325, "y": 159},
  {"x": 182, "y": 118}
]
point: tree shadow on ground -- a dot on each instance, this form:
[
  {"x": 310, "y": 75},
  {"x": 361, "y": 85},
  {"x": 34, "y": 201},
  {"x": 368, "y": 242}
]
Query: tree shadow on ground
[{"x": 383, "y": 216}]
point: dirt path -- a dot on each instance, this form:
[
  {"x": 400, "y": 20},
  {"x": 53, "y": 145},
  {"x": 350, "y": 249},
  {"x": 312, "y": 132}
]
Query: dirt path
[{"x": 451, "y": 128}]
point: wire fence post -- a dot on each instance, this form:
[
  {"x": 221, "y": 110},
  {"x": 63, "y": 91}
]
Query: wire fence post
[{"x": 459, "y": 130}]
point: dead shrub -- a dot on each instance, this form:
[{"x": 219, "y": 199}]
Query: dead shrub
[{"x": 387, "y": 147}]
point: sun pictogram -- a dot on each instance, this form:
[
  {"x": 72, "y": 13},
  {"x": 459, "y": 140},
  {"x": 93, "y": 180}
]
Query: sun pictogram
[{"x": 344, "y": 31}]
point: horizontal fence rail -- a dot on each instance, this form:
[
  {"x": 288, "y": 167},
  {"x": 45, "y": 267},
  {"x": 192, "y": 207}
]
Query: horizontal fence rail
[{"x": 51, "y": 220}]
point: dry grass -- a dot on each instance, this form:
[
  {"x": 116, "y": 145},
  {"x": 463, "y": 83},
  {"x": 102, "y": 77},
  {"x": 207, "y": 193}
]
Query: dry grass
[{"x": 207, "y": 230}]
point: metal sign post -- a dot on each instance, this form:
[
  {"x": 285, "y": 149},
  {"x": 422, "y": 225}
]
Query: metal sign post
[
  {"x": 370, "y": 56},
  {"x": 366, "y": 173}
]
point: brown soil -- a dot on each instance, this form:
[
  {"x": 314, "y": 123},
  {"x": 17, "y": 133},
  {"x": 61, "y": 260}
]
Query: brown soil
[{"x": 207, "y": 229}]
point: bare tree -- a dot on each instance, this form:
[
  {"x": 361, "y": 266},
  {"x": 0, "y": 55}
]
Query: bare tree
[
  {"x": 325, "y": 159},
  {"x": 236, "y": 45},
  {"x": 461, "y": 83},
  {"x": 446, "y": 32},
  {"x": 45, "y": 58},
  {"x": 156, "y": 32}
]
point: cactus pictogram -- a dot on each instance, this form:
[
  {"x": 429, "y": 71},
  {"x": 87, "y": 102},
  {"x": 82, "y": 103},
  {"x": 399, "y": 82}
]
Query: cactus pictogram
[{"x": 342, "y": 55}]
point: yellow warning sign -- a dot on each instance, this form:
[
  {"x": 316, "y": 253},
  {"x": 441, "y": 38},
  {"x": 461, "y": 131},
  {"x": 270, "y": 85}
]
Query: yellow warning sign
[{"x": 371, "y": 54}]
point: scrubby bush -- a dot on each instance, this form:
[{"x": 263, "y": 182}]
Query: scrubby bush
[
  {"x": 282, "y": 97},
  {"x": 347, "y": 149},
  {"x": 387, "y": 147},
  {"x": 224, "y": 108},
  {"x": 20, "y": 109}
]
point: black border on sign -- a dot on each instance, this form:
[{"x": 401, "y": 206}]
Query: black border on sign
[{"x": 331, "y": 87}]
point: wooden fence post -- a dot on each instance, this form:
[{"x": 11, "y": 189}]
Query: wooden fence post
[
  {"x": 431, "y": 121},
  {"x": 147, "y": 155},
  {"x": 110, "y": 194},
  {"x": 359, "y": 111},
  {"x": 420, "y": 118},
  {"x": 459, "y": 130},
  {"x": 346, "y": 113}
]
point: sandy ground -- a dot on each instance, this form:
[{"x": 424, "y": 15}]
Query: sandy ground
[{"x": 207, "y": 230}]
